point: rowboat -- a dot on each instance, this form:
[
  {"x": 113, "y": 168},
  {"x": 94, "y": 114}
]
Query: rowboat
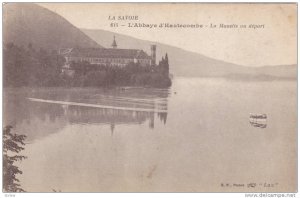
[
  {"x": 258, "y": 120},
  {"x": 258, "y": 116}
]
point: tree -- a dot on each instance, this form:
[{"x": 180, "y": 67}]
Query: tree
[
  {"x": 167, "y": 64},
  {"x": 163, "y": 66},
  {"x": 12, "y": 143}
]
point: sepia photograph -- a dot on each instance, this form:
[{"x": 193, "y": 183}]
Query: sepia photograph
[{"x": 149, "y": 97}]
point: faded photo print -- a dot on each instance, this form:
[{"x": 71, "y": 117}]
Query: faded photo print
[{"x": 149, "y": 97}]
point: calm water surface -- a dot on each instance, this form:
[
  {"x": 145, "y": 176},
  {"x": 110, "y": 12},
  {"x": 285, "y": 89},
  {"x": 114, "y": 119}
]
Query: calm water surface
[{"x": 194, "y": 136}]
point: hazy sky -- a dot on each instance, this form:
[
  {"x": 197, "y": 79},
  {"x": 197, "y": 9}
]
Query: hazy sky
[{"x": 275, "y": 44}]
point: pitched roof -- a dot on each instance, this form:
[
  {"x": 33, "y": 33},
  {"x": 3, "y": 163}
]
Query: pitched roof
[{"x": 108, "y": 53}]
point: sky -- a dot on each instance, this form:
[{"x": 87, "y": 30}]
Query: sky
[{"x": 274, "y": 44}]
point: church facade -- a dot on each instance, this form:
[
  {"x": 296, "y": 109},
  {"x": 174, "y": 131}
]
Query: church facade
[{"x": 114, "y": 56}]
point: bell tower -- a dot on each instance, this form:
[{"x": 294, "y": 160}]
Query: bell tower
[
  {"x": 153, "y": 54},
  {"x": 114, "y": 44}
]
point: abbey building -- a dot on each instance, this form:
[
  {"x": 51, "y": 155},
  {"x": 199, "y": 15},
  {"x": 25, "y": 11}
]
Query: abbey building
[{"x": 108, "y": 56}]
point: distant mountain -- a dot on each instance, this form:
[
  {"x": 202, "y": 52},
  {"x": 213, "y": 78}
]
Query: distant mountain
[
  {"x": 186, "y": 63},
  {"x": 25, "y": 23}
]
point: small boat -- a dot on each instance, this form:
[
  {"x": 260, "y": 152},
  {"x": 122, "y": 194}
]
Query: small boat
[
  {"x": 258, "y": 120},
  {"x": 258, "y": 116}
]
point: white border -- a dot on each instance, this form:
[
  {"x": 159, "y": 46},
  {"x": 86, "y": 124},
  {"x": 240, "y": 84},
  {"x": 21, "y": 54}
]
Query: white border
[{"x": 137, "y": 195}]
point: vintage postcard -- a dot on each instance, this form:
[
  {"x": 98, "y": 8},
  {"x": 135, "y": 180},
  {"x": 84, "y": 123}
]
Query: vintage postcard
[{"x": 149, "y": 97}]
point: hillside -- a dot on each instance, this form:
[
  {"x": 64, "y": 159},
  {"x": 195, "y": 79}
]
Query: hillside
[
  {"x": 25, "y": 23},
  {"x": 28, "y": 23},
  {"x": 185, "y": 63}
]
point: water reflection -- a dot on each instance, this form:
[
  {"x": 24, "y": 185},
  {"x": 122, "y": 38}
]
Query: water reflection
[
  {"x": 112, "y": 117},
  {"x": 207, "y": 133},
  {"x": 38, "y": 119}
]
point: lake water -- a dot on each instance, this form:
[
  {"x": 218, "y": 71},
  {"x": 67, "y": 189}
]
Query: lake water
[{"x": 193, "y": 137}]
